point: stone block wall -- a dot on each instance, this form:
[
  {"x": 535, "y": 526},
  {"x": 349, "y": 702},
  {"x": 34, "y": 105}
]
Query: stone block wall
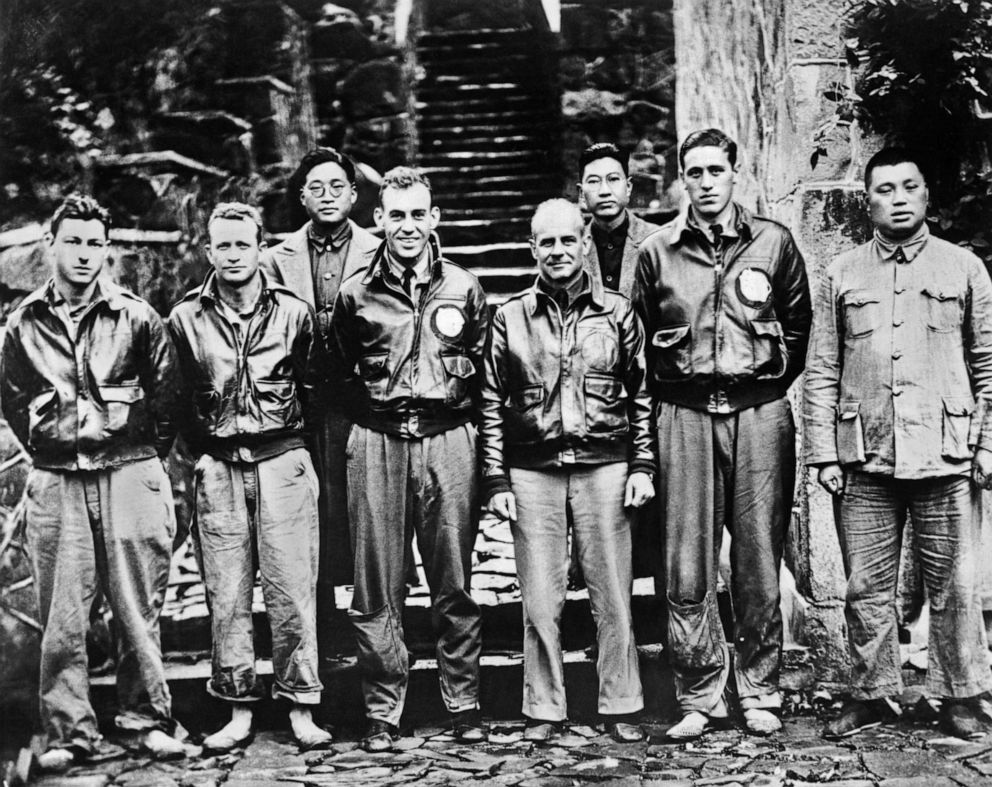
[{"x": 617, "y": 72}]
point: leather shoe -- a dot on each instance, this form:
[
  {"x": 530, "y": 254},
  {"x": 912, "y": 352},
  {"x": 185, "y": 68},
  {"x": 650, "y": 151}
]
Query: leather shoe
[
  {"x": 539, "y": 731},
  {"x": 468, "y": 726},
  {"x": 624, "y": 732},
  {"x": 380, "y": 736},
  {"x": 961, "y": 720},
  {"x": 858, "y": 715}
]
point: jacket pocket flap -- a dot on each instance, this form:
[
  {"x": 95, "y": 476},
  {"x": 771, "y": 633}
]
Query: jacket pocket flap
[
  {"x": 959, "y": 405},
  {"x": 121, "y": 393},
  {"x": 281, "y": 388},
  {"x": 529, "y": 396},
  {"x": 670, "y": 336},
  {"x": 860, "y": 298},
  {"x": 941, "y": 295},
  {"x": 847, "y": 411},
  {"x": 771, "y": 328},
  {"x": 372, "y": 365},
  {"x": 606, "y": 388},
  {"x": 458, "y": 365}
]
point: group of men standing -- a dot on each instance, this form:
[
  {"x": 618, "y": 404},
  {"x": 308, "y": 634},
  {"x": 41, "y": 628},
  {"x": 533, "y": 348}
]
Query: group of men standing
[{"x": 341, "y": 389}]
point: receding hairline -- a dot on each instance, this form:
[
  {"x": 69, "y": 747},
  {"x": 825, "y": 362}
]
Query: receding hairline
[{"x": 556, "y": 204}]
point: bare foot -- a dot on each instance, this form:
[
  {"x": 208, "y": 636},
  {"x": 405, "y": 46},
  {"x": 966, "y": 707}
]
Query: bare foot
[
  {"x": 162, "y": 746},
  {"x": 56, "y": 760}
]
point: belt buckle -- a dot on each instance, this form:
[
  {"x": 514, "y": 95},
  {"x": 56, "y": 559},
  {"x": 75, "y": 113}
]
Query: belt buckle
[{"x": 718, "y": 402}]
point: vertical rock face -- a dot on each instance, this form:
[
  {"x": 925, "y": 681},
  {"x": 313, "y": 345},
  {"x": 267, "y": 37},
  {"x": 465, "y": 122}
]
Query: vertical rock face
[{"x": 617, "y": 76}]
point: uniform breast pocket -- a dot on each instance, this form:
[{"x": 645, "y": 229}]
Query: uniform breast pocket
[
  {"x": 943, "y": 309},
  {"x": 458, "y": 370},
  {"x": 862, "y": 313}
]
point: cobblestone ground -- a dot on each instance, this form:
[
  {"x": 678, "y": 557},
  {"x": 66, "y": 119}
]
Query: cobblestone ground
[{"x": 903, "y": 755}]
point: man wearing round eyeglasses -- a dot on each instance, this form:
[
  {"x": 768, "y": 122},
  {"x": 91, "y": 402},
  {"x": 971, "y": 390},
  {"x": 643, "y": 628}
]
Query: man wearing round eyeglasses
[{"x": 312, "y": 263}]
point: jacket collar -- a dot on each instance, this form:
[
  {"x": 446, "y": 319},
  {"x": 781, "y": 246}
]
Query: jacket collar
[
  {"x": 682, "y": 227},
  {"x": 106, "y": 293},
  {"x": 207, "y": 292},
  {"x": 379, "y": 266},
  {"x": 591, "y": 287}
]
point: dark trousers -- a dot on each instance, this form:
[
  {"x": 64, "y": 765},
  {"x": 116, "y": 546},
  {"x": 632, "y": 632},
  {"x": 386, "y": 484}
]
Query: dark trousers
[
  {"x": 398, "y": 487},
  {"x": 738, "y": 471}
]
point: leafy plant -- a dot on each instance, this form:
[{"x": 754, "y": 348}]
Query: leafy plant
[{"x": 924, "y": 76}]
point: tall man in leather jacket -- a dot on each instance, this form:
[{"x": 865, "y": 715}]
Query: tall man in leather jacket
[
  {"x": 415, "y": 326},
  {"x": 253, "y": 365},
  {"x": 566, "y": 426},
  {"x": 726, "y": 310},
  {"x": 312, "y": 263},
  {"x": 901, "y": 350},
  {"x": 87, "y": 382}
]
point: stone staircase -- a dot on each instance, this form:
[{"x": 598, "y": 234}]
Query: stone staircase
[{"x": 487, "y": 111}]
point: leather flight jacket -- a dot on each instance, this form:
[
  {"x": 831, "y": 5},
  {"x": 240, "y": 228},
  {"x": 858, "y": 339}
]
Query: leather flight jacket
[
  {"x": 726, "y": 324},
  {"x": 419, "y": 361},
  {"x": 565, "y": 387},
  {"x": 100, "y": 400},
  {"x": 248, "y": 400}
]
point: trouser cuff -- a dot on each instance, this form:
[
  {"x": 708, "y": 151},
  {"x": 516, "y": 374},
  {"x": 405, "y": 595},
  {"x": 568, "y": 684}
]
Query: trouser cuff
[
  {"x": 772, "y": 701},
  {"x": 619, "y": 706},
  {"x": 543, "y": 712},
  {"x": 296, "y": 697}
]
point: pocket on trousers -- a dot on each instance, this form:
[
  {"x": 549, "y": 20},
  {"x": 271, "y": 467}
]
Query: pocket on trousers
[
  {"x": 956, "y": 424},
  {"x": 695, "y": 634},
  {"x": 850, "y": 433}
]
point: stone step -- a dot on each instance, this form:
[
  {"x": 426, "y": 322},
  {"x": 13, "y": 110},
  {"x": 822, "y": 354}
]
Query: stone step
[
  {"x": 430, "y": 144},
  {"x": 524, "y": 126},
  {"x": 455, "y": 181},
  {"x": 469, "y": 49},
  {"x": 481, "y": 231},
  {"x": 508, "y": 66},
  {"x": 509, "y": 257},
  {"x": 489, "y": 200},
  {"x": 511, "y": 117},
  {"x": 480, "y": 158},
  {"x": 495, "y": 104},
  {"x": 466, "y": 91},
  {"x": 509, "y": 212}
]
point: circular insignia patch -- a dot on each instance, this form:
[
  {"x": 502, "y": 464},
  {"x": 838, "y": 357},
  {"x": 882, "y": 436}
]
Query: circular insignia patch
[
  {"x": 754, "y": 287},
  {"x": 449, "y": 322}
]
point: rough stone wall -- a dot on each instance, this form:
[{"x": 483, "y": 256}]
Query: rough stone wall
[
  {"x": 617, "y": 70},
  {"x": 361, "y": 82}
]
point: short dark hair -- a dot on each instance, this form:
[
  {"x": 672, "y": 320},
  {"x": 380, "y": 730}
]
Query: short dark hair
[
  {"x": 708, "y": 138},
  {"x": 404, "y": 178},
  {"x": 236, "y": 211},
  {"x": 602, "y": 150},
  {"x": 79, "y": 206},
  {"x": 889, "y": 157},
  {"x": 315, "y": 158}
]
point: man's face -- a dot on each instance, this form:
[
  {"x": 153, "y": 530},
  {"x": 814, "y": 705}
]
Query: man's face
[
  {"x": 234, "y": 250},
  {"x": 604, "y": 189},
  {"x": 558, "y": 245},
  {"x": 327, "y": 195},
  {"x": 407, "y": 218},
  {"x": 897, "y": 200},
  {"x": 708, "y": 177},
  {"x": 79, "y": 249}
]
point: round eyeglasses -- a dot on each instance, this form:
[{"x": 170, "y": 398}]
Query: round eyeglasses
[{"x": 318, "y": 190}]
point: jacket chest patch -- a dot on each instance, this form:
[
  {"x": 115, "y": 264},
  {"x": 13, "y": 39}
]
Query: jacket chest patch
[
  {"x": 448, "y": 322},
  {"x": 754, "y": 288}
]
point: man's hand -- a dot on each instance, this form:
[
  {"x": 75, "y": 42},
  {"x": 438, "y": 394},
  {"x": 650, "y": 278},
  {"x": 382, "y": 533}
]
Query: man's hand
[
  {"x": 640, "y": 489},
  {"x": 504, "y": 505},
  {"x": 981, "y": 468},
  {"x": 831, "y": 478}
]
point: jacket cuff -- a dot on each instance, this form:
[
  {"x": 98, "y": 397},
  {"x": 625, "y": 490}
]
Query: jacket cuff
[
  {"x": 642, "y": 466},
  {"x": 980, "y": 434},
  {"x": 494, "y": 485}
]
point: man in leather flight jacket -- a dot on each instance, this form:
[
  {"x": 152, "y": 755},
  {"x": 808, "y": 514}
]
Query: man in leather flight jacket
[
  {"x": 726, "y": 309},
  {"x": 87, "y": 383},
  {"x": 253, "y": 367},
  {"x": 415, "y": 326},
  {"x": 566, "y": 426}
]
